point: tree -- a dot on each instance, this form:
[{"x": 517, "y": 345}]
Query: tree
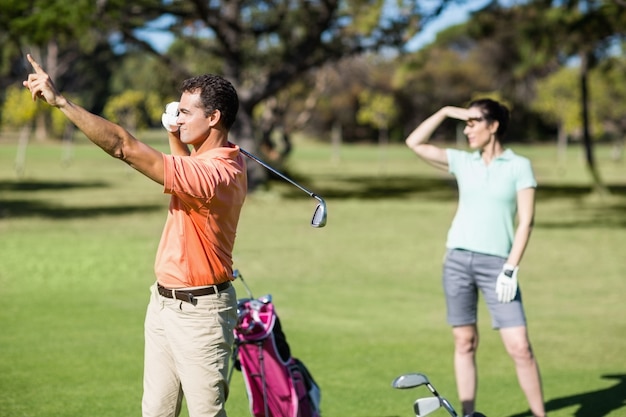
[
  {"x": 549, "y": 34},
  {"x": 611, "y": 100},
  {"x": 18, "y": 112},
  {"x": 450, "y": 71},
  {"x": 378, "y": 110},
  {"x": 60, "y": 35},
  {"x": 264, "y": 46},
  {"x": 594, "y": 25},
  {"x": 134, "y": 109},
  {"x": 558, "y": 101}
]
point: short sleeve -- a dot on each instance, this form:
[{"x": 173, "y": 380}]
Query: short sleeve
[
  {"x": 453, "y": 159},
  {"x": 525, "y": 175}
]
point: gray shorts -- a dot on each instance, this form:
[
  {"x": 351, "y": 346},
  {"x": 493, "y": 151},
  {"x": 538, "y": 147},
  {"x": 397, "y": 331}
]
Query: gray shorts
[{"x": 466, "y": 272}]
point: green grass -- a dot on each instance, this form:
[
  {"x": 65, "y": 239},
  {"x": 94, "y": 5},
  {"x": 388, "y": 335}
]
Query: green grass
[{"x": 359, "y": 300}]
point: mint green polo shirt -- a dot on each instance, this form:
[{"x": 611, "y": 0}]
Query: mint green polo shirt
[{"x": 485, "y": 218}]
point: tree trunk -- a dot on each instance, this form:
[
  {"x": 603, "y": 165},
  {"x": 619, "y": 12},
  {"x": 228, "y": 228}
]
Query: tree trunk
[
  {"x": 22, "y": 146},
  {"x": 243, "y": 134},
  {"x": 383, "y": 145},
  {"x": 597, "y": 185},
  {"x": 68, "y": 144},
  {"x": 336, "y": 139},
  {"x": 561, "y": 146}
]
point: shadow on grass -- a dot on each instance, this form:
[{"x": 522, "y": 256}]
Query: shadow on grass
[
  {"x": 609, "y": 214},
  {"x": 370, "y": 187},
  {"x": 384, "y": 187},
  {"x": 21, "y": 186},
  {"x": 554, "y": 191},
  {"x": 25, "y": 208},
  {"x": 343, "y": 187},
  {"x": 21, "y": 208},
  {"x": 595, "y": 403}
]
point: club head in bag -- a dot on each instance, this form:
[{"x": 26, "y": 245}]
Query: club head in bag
[
  {"x": 409, "y": 381},
  {"x": 425, "y": 406},
  {"x": 319, "y": 215},
  {"x": 444, "y": 403},
  {"x": 265, "y": 299},
  {"x": 237, "y": 274}
]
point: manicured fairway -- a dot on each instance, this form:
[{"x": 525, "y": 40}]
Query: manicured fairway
[{"x": 360, "y": 300}]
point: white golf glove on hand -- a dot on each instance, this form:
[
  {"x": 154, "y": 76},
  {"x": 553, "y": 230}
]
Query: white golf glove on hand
[
  {"x": 506, "y": 284},
  {"x": 168, "y": 119}
]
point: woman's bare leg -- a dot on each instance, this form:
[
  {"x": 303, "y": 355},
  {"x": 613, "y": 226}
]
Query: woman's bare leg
[
  {"x": 465, "y": 345},
  {"x": 517, "y": 345}
]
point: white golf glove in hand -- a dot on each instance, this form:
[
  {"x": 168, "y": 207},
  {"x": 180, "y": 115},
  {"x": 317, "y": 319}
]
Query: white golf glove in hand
[
  {"x": 506, "y": 284},
  {"x": 168, "y": 119}
]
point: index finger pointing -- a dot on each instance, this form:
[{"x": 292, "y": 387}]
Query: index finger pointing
[{"x": 34, "y": 63}]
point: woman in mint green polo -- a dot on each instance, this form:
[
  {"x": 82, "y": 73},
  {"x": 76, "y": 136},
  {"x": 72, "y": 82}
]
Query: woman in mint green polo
[{"x": 486, "y": 241}]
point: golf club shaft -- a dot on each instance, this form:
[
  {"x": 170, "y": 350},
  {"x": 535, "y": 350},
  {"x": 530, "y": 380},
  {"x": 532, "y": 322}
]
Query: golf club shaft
[
  {"x": 237, "y": 274},
  {"x": 283, "y": 176},
  {"x": 442, "y": 400}
]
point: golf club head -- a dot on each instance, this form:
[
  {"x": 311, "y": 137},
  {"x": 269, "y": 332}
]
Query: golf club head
[
  {"x": 265, "y": 299},
  {"x": 409, "y": 381},
  {"x": 425, "y": 406},
  {"x": 319, "y": 215}
]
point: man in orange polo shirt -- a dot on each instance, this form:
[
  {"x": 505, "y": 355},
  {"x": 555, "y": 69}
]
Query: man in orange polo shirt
[{"x": 192, "y": 310}]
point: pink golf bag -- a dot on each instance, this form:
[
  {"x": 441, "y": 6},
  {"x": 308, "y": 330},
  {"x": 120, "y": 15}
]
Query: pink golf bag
[{"x": 277, "y": 384}]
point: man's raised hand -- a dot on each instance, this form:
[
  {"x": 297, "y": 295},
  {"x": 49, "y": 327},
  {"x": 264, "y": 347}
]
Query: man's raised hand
[{"x": 41, "y": 86}]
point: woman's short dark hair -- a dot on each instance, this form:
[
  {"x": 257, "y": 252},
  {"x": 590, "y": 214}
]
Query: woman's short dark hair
[
  {"x": 216, "y": 93},
  {"x": 493, "y": 111}
]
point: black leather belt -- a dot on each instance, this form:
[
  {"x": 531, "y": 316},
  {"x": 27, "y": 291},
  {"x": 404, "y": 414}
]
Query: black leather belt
[{"x": 189, "y": 295}]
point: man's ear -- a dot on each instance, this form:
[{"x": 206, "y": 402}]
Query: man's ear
[{"x": 215, "y": 118}]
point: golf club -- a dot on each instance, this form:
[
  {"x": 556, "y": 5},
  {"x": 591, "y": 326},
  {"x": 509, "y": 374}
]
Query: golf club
[
  {"x": 445, "y": 404},
  {"x": 417, "y": 379},
  {"x": 237, "y": 274},
  {"x": 409, "y": 381},
  {"x": 425, "y": 406},
  {"x": 319, "y": 215}
]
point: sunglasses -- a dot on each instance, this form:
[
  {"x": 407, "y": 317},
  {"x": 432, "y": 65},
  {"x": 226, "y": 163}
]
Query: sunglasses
[{"x": 471, "y": 120}]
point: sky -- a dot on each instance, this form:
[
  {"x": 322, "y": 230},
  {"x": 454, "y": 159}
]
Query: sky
[{"x": 452, "y": 15}]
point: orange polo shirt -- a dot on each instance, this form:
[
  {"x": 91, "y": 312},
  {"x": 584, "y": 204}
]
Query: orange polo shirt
[{"x": 208, "y": 190}]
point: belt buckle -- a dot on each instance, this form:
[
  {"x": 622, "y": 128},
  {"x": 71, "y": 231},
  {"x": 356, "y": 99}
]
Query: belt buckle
[
  {"x": 190, "y": 298},
  {"x": 184, "y": 296}
]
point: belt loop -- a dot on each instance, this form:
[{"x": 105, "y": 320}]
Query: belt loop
[
  {"x": 217, "y": 291},
  {"x": 157, "y": 295},
  {"x": 173, "y": 293}
]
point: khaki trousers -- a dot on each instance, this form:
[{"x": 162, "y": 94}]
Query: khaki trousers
[{"x": 187, "y": 352}]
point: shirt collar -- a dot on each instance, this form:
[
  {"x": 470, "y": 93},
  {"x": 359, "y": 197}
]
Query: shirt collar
[
  {"x": 506, "y": 155},
  {"x": 230, "y": 151}
]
